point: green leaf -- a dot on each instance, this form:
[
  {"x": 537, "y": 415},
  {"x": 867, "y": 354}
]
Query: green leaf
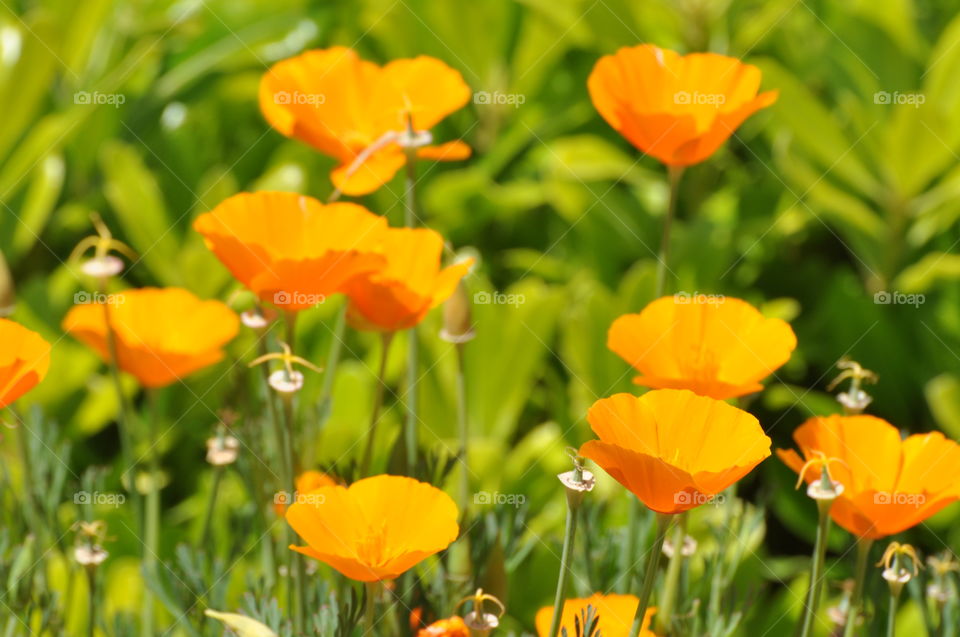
[{"x": 136, "y": 199}]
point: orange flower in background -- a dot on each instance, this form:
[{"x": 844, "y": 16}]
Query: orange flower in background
[
  {"x": 677, "y": 108},
  {"x": 889, "y": 484},
  {"x": 344, "y": 106},
  {"x": 377, "y": 528},
  {"x": 715, "y": 346},
  {"x": 452, "y": 627},
  {"x": 412, "y": 283},
  {"x": 162, "y": 334},
  {"x": 616, "y": 614},
  {"x": 24, "y": 360},
  {"x": 673, "y": 449},
  {"x": 291, "y": 250}
]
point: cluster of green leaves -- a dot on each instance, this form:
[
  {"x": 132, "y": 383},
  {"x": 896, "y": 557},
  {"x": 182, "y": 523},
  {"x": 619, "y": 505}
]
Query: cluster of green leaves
[{"x": 815, "y": 205}]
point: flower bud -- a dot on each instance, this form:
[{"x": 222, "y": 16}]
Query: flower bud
[
  {"x": 458, "y": 317},
  {"x": 8, "y": 298}
]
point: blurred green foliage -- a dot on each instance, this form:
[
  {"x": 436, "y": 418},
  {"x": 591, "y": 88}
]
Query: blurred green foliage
[{"x": 815, "y": 206}]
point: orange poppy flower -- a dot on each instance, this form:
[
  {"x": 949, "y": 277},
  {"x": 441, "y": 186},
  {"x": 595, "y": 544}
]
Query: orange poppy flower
[
  {"x": 615, "y": 614},
  {"x": 344, "y": 106},
  {"x": 377, "y": 528},
  {"x": 412, "y": 283},
  {"x": 720, "y": 347},
  {"x": 672, "y": 448},
  {"x": 452, "y": 627},
  {"x": 889, "y": 484},
  {"x": 162, "y": 334},
  {"x": 24, "y": 360},
  {"x": 291, "y": 250},
  {"x": 677, "y": 108}
]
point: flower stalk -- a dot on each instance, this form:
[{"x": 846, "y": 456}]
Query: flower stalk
[
  {"x": 385, "y": 342},
  {"x": 663, "y": 521},
  {"x": 577, "y": 483},
  {"x": 824, "y": 491},
  {"x": 856, "y": 598},
  {"x": 411, "y": 434},
  {"x": 672, "y": 577}
]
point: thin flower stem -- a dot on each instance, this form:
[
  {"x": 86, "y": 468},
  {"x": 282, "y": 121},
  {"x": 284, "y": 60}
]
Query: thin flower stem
[
  {"x": 856, "y": 599},
  {"x": 673, "y": 175},
  {"x": 124, "y": 422},
  {"x": 377, "y": 403},
  {"x": 816, "y": 572},
  {"x": 569, "y": 536},
  {"x": 653, "y": 562},
  {"x": 369, "y": 615},
  {"x": 463, "y": 427},
  {"x": 892, "y": 613},
  {"x": 211, "y": 505},
  {"x": 152, "y": 512},
  {"x": 672, "y": 578},
  {"x": 413, "y": 347},
  {"x": 299, "y": 591},
  {"x": 330, "y": 372},
  {"x": 91, "y": 601}
]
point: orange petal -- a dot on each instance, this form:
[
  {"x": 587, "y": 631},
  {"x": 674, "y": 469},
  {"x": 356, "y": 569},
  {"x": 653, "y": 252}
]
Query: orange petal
[
  {"x": 449, "y": 151},
  {"x": 24, "y": 360}
]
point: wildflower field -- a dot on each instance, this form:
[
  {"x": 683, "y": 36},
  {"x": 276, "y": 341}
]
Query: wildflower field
[{"x": 593, "y": 318}]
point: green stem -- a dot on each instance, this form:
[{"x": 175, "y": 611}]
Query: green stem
[
  {"x": 672, "y": 578},
  {"x": 330, "y": 373},
  {"x": 211, "y": 505},
  {"x": 152, "y": 512},
  {"x": 860, "y": 574},
  {"x": 413, "y": 347},
  {"x": 91, "y": 600},
  {"x": 289, "y": 415},
  {"x": 463, "y": 427},
  {"x": 663, "y": 259},
  {"x": 124, "y": 421},
  {"x": 816, "y": 571},
  {"x": 653, "y": 562},
  {"x": 561, "y": 596},
  {"x": 634, "y": 511},
  {"x": 377, "y": 403},
  {"x": 369, "y": 614},
  {"x": 892, "y": 613}
]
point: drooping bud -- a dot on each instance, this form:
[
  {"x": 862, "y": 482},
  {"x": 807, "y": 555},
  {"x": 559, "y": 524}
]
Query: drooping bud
[
  {"x": 103, "y": 264},
  {"x": 478, "y": 620},
  {"x": 89, "y": 551},
  {"x": 287, "y": 380},
  {"x": 855, "y": 399},
  {"x": 8, "y": 296},
  {"x": 900, "y": 564},
  {"x": 458, "y": 317}
]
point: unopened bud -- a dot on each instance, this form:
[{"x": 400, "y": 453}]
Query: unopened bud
[
  {"x": 458, "y": 317},
  {"x": 8, "y": 297}
]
